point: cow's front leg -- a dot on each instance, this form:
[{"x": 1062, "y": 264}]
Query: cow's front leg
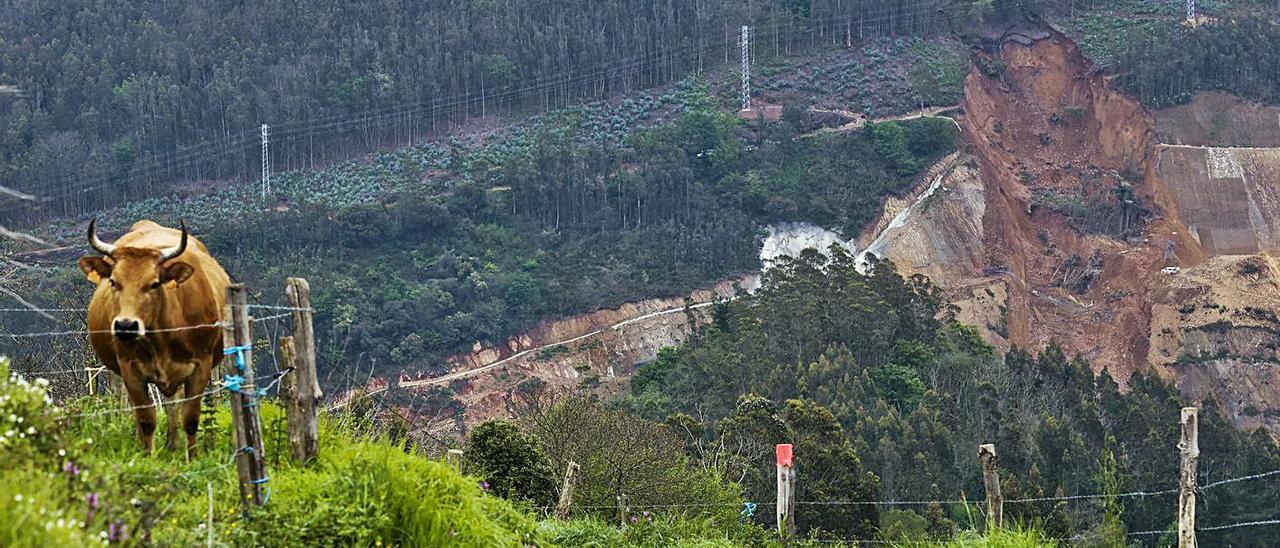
[
  {"x": 196, "y": 385},
  {"x": 144, "y": 408},
  {"x": 171, "y": 411}
]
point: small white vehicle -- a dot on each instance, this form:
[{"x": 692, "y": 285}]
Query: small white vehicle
[{"x": 1170, "y": 270}]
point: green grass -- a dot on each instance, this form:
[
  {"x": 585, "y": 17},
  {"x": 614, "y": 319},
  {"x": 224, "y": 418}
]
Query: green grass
[
  {"x": 359, "y": 492},
  {"x": 77, "y": 476}
]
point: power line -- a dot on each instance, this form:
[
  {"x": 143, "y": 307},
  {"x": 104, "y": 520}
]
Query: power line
[{"x": 201, "y": 153}]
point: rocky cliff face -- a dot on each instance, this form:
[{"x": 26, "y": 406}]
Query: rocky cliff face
[{"x": 1063, "y": 223}]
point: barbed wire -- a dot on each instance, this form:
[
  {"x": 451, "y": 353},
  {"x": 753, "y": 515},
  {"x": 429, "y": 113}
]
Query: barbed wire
[
  {"x": 218, "y": 388},
  {"x": 1242, "y": 478},
  {"x": 113, "y": 411},
  {"x": 1241, "y": 524},
  {"x": 161, "y": 330},
  {"x": 83, "y": 309},
  {"x": 59, "y": 371},
  {"x": 1211, "y": 528},
  {"x": 1130, "y": 494},
  {"x": 279, "y": 307}
]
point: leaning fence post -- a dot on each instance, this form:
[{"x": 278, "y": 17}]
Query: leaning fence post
[
  {"x": 237, "y": 344},
  {"x": 566, "y": 490},
  {"x": 785, "y": 511},
  {"x": 1189, "y": 449},
  {"x": 305, "y": 395},
  {"x": 991, "y": 482},
  {"x": 454, "y": 459}
]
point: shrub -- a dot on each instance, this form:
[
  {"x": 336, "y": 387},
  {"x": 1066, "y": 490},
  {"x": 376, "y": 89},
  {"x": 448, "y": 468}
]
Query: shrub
[{"x": 511, "y": 462}]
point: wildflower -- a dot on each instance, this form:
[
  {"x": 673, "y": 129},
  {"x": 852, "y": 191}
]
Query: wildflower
[
  {"x": 484, "y": 486},
  {"x": 17, "y": 497},
  {"x": 62, "y": 452},
  {"x": 71, "y": 469},
  {"x": 92, "y": 501},
  {"x": 31, "y": 430},
  {"x": 634, "y": 520},
  {"x": 117, "y": 531}
]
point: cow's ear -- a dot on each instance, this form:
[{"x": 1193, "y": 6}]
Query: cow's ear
[
  {"x": 95, "y": 268},
  {"x": 176, "y": 273}
]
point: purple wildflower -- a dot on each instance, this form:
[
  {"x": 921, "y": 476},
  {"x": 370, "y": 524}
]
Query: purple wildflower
[
  {"x": 92, "y": 500},
  {"x": 71, "y": 469},
  {"x": 117, "y": 532}
]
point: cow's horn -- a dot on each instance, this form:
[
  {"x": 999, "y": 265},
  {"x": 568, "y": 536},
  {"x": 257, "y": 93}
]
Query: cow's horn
[
  {"x": 98, "y": 245},
  {"x": 171, "y": 252}
]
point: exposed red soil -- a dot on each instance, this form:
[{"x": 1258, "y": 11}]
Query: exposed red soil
[{"x": 1048, "y": 123}]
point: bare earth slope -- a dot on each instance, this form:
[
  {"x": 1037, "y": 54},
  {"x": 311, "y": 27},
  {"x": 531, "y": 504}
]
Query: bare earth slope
[{"x": 1049, "y": 125}]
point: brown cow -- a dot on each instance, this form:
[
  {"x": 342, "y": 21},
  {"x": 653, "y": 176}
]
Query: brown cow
[{"x": 153, "y": 320}]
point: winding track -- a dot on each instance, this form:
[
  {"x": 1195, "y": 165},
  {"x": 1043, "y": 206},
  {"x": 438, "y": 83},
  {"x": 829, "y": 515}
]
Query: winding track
[{"x": 448, "y": 377}]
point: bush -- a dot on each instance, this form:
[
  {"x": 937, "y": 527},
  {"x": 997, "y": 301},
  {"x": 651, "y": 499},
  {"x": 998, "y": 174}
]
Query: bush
[
  {"x": 362, "y": 493},
  {"x": 650, "y": 530},
  {"x": 511, "y": 462}
]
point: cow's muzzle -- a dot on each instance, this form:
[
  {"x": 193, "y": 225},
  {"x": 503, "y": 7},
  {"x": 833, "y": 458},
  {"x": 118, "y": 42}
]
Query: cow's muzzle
[{"x": 126, "y": 329}]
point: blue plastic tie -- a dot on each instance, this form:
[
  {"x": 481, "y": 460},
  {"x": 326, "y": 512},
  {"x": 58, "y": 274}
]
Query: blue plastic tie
[
  {"x": 748, "y": 511},
  {"x": 261, "y": 480},
  {"x": 232, "y": 382},
  {"x": 239, "y": 352}
]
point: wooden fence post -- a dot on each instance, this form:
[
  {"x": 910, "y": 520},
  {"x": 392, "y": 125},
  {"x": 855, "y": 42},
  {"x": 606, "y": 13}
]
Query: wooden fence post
[
  {"x": 785, "y": 511},
  {"x": 991, "y": 482},
  {"x": 622, "y": 510},
  {"x": 302, "y": 405},
  {"x": 1189, "y": 448},
  {"x": 237, "y": 342},
  {"x": 566, "y": 490},
  {"x": 454, "y": 458}
]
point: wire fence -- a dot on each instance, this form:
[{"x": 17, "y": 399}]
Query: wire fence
[{"x": 159, "y": 330}]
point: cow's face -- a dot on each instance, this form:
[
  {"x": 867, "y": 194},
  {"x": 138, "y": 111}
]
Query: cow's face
[{"x": 139, "y": 281}]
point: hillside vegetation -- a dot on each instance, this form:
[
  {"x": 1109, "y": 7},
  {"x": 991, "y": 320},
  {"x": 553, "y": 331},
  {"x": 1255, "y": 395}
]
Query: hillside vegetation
[
  {"x": 1163, "y": 61},
  {"x": 73, "y": 475},
  {"x": 901, "y": 396},
  {"x": 419, "y": 253},
  {"x": 107, "y": 102}
]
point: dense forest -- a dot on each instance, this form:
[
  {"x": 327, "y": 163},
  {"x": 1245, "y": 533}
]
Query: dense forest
[
  {"x": 103, "y": 102},
  {"x": 1160, "y": 59},
  {"x": 868, "y": 376},
  {"x": 574, "y": 212}
]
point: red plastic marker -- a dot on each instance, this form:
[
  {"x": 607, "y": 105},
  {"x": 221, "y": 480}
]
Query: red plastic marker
[{"x": 783, "y": 451}]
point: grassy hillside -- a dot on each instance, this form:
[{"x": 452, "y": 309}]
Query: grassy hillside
[{"x": 73, "y": 475}]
